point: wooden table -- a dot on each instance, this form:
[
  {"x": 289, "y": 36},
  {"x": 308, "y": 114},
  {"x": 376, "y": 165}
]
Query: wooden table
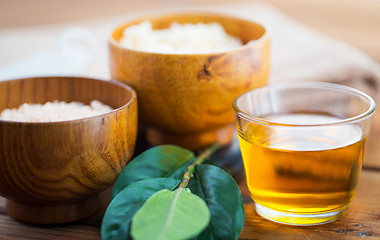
[
  {"x": 362, "y": 220},
  {"x": 356, "y": 22}
]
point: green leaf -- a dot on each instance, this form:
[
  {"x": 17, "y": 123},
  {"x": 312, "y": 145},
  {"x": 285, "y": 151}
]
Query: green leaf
[
  {"x": 170, "y": 215},
  {"x": 119, "y": 214},
  {"x": 166, "y": 161},
  {"x": 223, "y": 197}
]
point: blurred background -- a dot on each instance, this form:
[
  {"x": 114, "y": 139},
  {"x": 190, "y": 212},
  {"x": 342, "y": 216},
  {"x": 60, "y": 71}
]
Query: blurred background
[
  {"x": 356, "y": 22},
  {"x": 323, "y": 40}
]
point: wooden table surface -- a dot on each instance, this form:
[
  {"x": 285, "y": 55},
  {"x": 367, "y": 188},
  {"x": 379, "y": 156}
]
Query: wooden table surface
[
  {"x": 356, "y": 22},
  {"x": 362, "y": 220}
]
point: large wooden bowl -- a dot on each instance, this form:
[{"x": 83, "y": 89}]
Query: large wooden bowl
[
  {"x": 51, "y": 172},
  {"x": 186, "y": 99}
]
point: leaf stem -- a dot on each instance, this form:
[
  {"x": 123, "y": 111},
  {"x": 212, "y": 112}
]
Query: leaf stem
[{"x": 200, "y": 159}]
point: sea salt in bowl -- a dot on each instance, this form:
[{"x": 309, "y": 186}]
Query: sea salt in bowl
[
  {"x": 186, "y": 98},
  {"x": 51, "y": 172}
]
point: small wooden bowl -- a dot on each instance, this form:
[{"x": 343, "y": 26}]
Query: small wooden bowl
[
  {"x": 186, "y": 99},
  {"x": 51, "y": 172}
]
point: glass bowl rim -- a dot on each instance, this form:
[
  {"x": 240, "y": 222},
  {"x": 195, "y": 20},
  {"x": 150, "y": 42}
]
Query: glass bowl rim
[{"x": 311, "y": 85}]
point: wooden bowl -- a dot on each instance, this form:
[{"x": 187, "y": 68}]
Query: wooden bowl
[
  {"x": 51, "y": 172},
  {"x": 186, "y": 99}
]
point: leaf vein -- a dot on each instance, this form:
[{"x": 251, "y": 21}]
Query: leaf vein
[{"x": 171, "y": 212}]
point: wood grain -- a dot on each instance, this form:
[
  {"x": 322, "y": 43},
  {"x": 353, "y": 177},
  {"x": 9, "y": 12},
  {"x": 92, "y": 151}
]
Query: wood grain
[
  {"x": 51, "y": 171},
  {"x": 356, "y": 22},
  {"x": 10, "y": 229},
  {"x": 183, "y": 94},
  {"x": 361, "y": 222}
]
